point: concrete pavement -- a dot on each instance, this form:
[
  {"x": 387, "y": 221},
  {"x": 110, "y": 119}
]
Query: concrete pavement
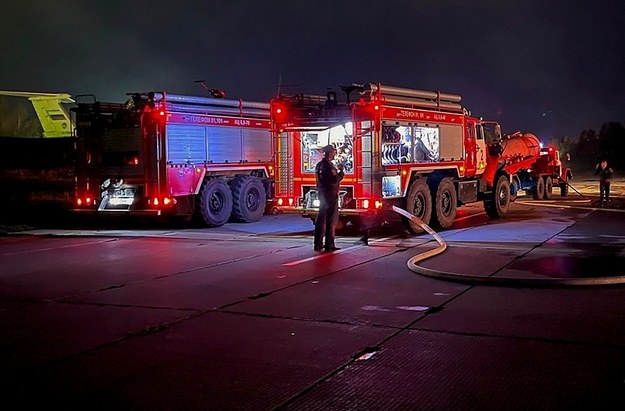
[{"x": 191, "y": 323}]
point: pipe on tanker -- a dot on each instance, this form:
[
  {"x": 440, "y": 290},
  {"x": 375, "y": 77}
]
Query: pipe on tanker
[
  {"x": 423, "y": 94},
  {"x": 215, "y": 101}
]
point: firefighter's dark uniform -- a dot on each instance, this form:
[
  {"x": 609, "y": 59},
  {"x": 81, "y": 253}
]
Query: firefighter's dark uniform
[
  {"x": 328, "y": 179},
  {"x": 605, "y": 175}
]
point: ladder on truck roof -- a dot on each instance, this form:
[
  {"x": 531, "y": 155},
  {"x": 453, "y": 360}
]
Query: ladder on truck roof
[{"x": 54, "y": 119}]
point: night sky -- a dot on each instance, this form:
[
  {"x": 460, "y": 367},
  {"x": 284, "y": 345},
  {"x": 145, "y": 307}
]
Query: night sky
[{"x": 553, "y": 68}]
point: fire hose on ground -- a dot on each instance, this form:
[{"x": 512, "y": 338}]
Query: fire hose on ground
[
  {"x": 412, "y": 262},
  {"x": 487, "y": 280}
]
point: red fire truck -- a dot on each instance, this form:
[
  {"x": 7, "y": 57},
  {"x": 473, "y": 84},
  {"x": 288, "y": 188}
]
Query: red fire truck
[
  {"x": 419, "y": 150},
  {"x": 169, "y": 154}
]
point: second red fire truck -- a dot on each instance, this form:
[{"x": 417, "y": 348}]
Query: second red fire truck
[
  {"x": 419, "y": 150},
  {"x": 161, "y": 153}
]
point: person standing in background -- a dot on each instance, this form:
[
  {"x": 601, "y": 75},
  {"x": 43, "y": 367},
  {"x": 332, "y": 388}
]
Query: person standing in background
[{"x": 604, "y": 171}]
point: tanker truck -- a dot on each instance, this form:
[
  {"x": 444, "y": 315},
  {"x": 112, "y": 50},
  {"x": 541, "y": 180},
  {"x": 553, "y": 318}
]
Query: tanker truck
[{"x": 528, "y": 166}]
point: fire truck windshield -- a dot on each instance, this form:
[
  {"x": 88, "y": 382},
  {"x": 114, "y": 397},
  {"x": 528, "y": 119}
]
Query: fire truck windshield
[{"x": 492, "y": 132}]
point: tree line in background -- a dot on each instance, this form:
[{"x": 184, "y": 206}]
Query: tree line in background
[{"x": 592, "y": 146}]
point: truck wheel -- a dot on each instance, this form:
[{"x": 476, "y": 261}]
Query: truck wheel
[
  {"x": 249, "y": 199},
  {"x": 539, "y": 191},
  {"x": 445, "y": 203},
  {"x": 499, "y": 204},
  {"x": 548, "y": 187},
  {"x": 564, "y": 189},
  {"x": 215, "y": 202},
  {"x": 419, "y": 204}
]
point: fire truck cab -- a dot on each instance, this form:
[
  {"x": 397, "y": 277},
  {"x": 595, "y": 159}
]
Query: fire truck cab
[
  {"x": 546, "y": 173},
  {"x": 420, "y": 150},
  {"x": 161, "y": 153}
]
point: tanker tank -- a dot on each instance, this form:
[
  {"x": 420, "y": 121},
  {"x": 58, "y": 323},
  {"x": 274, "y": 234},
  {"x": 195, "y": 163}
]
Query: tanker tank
[
  {"x": 513, "y": 149},
  {"x": 520, "y": 146}
]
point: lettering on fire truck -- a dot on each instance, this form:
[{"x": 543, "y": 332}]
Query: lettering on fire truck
[{"x": 198, "y": 119}]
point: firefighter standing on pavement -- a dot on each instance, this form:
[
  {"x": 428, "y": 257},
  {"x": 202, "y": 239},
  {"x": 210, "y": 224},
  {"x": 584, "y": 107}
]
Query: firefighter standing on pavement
[
  {"x": 605, "y": 175},
  {"x": 328, "y": 178}
]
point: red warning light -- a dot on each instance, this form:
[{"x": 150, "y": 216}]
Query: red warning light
[{"x": 279, "y": 112}]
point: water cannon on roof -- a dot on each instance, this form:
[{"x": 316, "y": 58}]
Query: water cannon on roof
[{"x": 216, "y": 93}]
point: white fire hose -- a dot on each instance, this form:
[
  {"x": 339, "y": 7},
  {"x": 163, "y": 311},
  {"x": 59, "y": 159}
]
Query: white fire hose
[
  {"x": 510, "y": 281},
  {"x": 412, "y": 262}
]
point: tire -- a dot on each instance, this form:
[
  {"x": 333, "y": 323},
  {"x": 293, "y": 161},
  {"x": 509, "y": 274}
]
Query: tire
[
  {"x": 564, "y": 189},
  {"x": 215, "y": 202},
  {"x": 499, "y": 204},
  {"x": 539, "y": 191},
  {"x": 419, "y": 204},
  {"x": 445, "y": 203},
  {"x": 249, "y": 199},
  {"x": 548, "y": 187}
]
